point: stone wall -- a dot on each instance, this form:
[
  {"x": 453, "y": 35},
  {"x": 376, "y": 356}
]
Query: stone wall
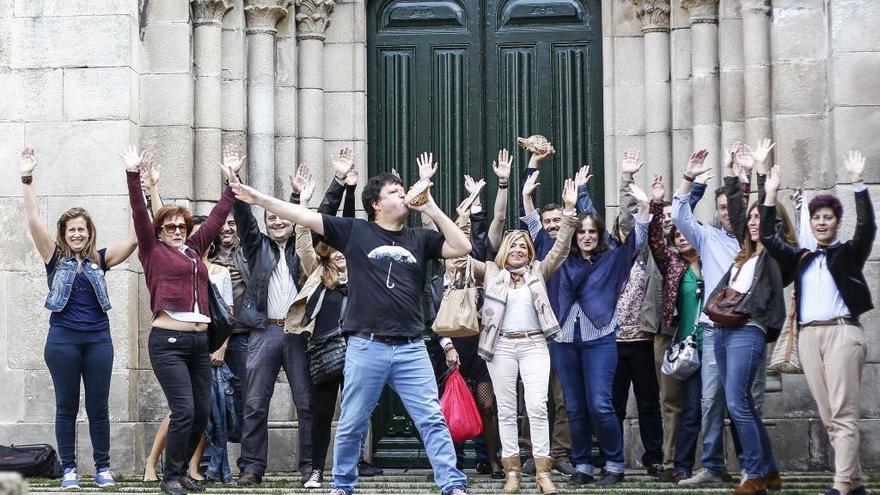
[{"x": 82, "y": 79}]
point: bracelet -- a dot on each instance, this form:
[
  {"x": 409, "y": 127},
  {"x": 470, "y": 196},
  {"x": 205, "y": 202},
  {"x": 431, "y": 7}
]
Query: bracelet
[
  {"x": 502, "y": 186},
  {"x": 688, "y": 178},
  {"x": 27, "y": 179}
]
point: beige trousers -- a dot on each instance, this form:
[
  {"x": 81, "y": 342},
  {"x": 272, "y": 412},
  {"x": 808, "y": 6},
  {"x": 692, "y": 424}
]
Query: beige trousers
[
  {"x": 833, "y": 358},
  {"x": 670, "y": 399}
]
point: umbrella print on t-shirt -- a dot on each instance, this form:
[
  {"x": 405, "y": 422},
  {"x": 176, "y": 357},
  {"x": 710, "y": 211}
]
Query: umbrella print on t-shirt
[{"x": 392, "y": 253}]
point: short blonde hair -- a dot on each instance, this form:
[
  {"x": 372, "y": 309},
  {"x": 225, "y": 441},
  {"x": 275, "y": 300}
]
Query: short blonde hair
[{"x": 507, "y": 242}]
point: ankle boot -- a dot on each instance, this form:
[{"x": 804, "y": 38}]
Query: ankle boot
[
  {"x": 543, "y": 469},
  {"x": 513, "y": 473}
]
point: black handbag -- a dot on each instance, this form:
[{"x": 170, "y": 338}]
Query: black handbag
[
  {"x": 31, "y": 461},
  {"x": 222, "y": 322},
  {"x": 327, "y": 352}
]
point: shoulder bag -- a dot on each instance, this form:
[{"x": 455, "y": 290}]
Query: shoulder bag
[
  {"x": 457, "y": 316},
  {"x": 327, "y": 352},
  {"x": 785, "y": 357},
  {"x": 222, "y": 322},
  {"x": 682, "y": 359},
  {"x": 721, "y": 308}
]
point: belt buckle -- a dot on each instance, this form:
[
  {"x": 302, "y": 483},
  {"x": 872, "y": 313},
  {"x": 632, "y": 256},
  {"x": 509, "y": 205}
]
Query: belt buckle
[{"x": 515, "y": 335}]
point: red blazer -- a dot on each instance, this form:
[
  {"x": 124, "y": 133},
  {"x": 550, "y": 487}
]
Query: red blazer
[{"x": 176, "y": 280}]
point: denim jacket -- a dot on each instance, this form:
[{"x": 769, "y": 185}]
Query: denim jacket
[
  {"x": 61, "y": 283},
  {"x": 224, "y": 423}
]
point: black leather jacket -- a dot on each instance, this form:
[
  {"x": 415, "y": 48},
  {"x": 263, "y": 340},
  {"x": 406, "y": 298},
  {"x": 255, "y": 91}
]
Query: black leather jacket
[{"x": 262, "y": 254}]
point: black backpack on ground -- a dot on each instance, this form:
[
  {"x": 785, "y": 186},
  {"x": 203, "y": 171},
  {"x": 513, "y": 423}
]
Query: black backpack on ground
[{"x": 31, "y": 461}]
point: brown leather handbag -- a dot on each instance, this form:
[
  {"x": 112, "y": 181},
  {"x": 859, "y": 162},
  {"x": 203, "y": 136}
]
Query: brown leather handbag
[{"x": 721, "y": 307}]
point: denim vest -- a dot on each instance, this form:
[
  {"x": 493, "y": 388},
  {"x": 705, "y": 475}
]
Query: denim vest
[{"x": 61, "y": 283}]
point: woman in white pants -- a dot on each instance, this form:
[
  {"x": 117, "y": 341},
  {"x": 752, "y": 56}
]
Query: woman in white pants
[{"x": 517, "y": 321}]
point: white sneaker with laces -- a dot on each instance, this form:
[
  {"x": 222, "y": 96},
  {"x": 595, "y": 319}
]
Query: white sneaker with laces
[
  {"x": 703, "y": 477},
  {"x": 70, "y": 481},
  {"x": 104, "y": 478},
  {"x": 314, "y": 480}
]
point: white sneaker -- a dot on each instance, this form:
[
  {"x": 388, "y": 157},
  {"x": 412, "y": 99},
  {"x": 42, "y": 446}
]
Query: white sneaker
[
  {"x": 703, "y": 477},
  {"x": 70, "y": 481},
  {"x": 315, "y": 479}
]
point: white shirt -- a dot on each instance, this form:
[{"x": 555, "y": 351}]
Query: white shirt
[
  {"x": 743, "y": 281},
  {"x": 819, "y": 299},
  {"x": 519, "y": 311},
  {"x": 282, "y": 289},
  {"x": 220, "y": 277}
]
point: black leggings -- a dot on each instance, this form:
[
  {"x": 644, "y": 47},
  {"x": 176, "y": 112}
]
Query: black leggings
[
  {"x": 182, "y": 365},
  {"x": 324, "y": 398}
]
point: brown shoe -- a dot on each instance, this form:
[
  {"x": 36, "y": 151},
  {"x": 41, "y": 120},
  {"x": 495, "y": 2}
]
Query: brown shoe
[
  {"x": 513, "y": 471},
  {"x": 543, "y": 477},
  {"x": 751, "y": 487},
  {"x": 248, "y": 478},
  {"x": 773, "y": 481}
]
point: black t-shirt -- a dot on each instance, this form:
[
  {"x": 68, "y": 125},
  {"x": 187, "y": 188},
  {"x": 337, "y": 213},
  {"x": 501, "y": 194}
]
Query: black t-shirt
[{"x": 386, "y": 274}]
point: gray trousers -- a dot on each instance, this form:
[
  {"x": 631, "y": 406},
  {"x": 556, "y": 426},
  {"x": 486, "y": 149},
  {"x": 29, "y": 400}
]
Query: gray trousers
[{"x": 269, "y": 351}]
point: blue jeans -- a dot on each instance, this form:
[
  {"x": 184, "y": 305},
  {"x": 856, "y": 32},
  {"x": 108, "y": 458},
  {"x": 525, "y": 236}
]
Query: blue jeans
[
  {"x": 688, "y": 432},
  {"x": 91, "y": 363},
  {"x": 712, "y": 405},
  {"x": 740, "y": 352},
  {"x": 586, "y": 372},
  {"x": 406, "y": 368}
]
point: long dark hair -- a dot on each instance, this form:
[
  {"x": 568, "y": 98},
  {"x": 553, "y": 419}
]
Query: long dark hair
[{"x": 599, "y": 223}]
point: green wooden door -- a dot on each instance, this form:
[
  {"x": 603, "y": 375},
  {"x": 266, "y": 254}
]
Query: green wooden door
[{"x": 464, "y": 78}]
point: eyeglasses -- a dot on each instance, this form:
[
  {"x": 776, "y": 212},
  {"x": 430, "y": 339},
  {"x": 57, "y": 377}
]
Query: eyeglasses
[{"x": 171, "y": 228}]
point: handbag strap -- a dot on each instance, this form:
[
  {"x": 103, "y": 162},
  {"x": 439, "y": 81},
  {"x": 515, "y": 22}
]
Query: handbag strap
[{"x": 343, "y": 309}]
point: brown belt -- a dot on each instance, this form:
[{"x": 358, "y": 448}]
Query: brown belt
[
  {"x": 277, "y": 322},
  {"x": 521, "y": 335},
  {"x": 846, "y": 320}
]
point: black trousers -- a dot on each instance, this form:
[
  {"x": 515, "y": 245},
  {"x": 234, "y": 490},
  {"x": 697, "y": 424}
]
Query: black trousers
[
  {"x": 324, "y": 397},
  {"x": 182, "y": 365},
  {"x": 635, "y": 365}
]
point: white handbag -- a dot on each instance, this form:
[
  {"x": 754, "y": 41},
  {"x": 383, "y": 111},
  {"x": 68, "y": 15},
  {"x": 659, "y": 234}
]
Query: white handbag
[{"x": 681, "y": 359}]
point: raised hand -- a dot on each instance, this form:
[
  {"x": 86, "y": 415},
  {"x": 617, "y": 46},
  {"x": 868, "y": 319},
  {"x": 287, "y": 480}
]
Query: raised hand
[
  {"x": 639, "y": 195},
  {"x": 132, "y": 159},
  {"x": 342, "y": 163},
  {"x": 743, "y": 160},
  {"x": 244, "y": 192},
  {"x": 631, "y": 163},
  {"x": 658, "y": 188},
  {"x": 231, "y": 159},
  {"x": 730, "y": 154},
  {"x": 705, "y": 177},
  {"x": 697, "y": 163},
  {"x": 395, "y": 173},
  {"x": 503, "y": 164},
  {"x": 351, "y": 178},
  {"x": 151, "y": 171},
  {"x": 761, "y": 152},
  {"x": 569, "y": 193},
  {"x": 797, "y": 198},
  {"x": 773, "y": 180},
  {"x": 531, "y": 184},
  {"x": 302, "y": 177},
  {"x": 583, "y": 176},
  {"x": 427, "y": 167},
  {"x": 539, "y": 156},
  {"x": 855, "y": 165},
  {"x": 471, "y": 186},
  {"x": 27, "y": 161},
  {"x": 307, "y": 191}
]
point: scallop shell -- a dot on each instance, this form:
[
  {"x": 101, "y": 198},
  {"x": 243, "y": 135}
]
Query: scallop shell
[
  {"x": 535, "y": 143},
  {"x": 418, "y": 193}
]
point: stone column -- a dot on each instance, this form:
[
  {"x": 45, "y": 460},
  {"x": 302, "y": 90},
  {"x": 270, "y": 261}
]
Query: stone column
[
  {"x": 704, "y": 66},
  {"x": 312, "y": 19},
  {"x": 262, "y": 17},
  {"x": 730, "y": 54},
  {"x": 654, "y": 15},
  {"x": 756, "y": 55},
  {"x": 207, "y": 18}
]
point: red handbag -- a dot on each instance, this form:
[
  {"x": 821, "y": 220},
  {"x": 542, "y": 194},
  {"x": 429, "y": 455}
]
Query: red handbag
[
  {"x": 460, "y": 409},
  {"x": 721, "y": 308}
]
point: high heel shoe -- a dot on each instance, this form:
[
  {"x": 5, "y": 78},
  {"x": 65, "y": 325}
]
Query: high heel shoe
[{"x": 151, "y": 480}]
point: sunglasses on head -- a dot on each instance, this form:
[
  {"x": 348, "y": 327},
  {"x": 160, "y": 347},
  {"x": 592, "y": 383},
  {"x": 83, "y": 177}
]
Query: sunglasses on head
[
  {"x": 171, "y": 228},
  {"x": 515, "y": 231}
]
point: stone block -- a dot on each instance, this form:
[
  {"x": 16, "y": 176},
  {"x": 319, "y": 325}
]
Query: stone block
[
  {"x": 799, "y": 88},
  {"x": 339, "y": 67},
  {"x": 870, "y": 448},
  {"x": 679, "y": 17},
  {"x": 629, "y": 109},
  {"x": 12, "y": 410},
  {"x": 682, "y": 147},
  {"x": 31, "y": 95},
  {"x": 853, "y": 25},
  {"x": 168, "y": 47},
  {"x": 732, "y": 131},
  {"x": 847, "y": 228},
  {"x": 25, "y": 433},
  {"x": 608, "y": 111},
  {"x": 232, "y": 49},
  {"x": 286, "y": 111},
  {"x": 123, "y": 442},
  {"x": 798, "y": 150},
  {"x": 730, "y": 43},
  {"x": 286, "y": 62},
  {"x": 342, "y": 24},
  {"x": 855, "y": 128},
  {"x": 166, "y": 99},
  {"x": 282, "y": 455},
  {"x": 11, "y": 144},
  {"x": 793, "y": 438},
  {"x": 24, "y": 300},
  {"x": 854, "y": 77},
  {"x": 732, "y": 94},
  {"x": 151, "y": 404},
  {"x": 607, "y": 61},
  {"x": 100, "y": 93},
  {"x": 359, "y": 115},
  {"x": 45, "y": 42},
  {"x": 52, "y": 8},
  {"x": 168, "y": 11},
  {"x": 6, "y": 8},
  {"x": 788, "y": 29},
  {"x": 173, "y": 150},
  {"x": 207, "y": 177},
  {"x": 79, "y": 152},
  {"x": 207, "y": 95},
  {"x": 680, "y": 55},
  {"x": 15, "y": 240},
  {"x": 286, "y": 156},
  {"x": 281, "y": 408},
  {"x": 682, "y": 104},
  {"x": 339, "y": 113},
  {"x": 626, "y": 22},
  {"x": 629, "y": 61},
  {"x": 234, "y": 103}
]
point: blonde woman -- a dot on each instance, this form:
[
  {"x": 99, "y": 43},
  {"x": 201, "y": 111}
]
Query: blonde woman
[{"x": 517, "y": 320}]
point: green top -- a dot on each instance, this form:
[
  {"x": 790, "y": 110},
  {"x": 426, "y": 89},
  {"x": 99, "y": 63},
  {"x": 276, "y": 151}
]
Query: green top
[{"x": 689, "y": 305}]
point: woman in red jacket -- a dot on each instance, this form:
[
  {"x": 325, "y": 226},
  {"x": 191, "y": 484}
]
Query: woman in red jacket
[{"x": 178, "y": 283}]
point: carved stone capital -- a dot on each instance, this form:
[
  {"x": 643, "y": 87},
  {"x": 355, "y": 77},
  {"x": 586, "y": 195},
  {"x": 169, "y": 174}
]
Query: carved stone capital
[
  {"x": 701, "y": 10},
  {"x": 209, "y": 11},
  {"x": 654, "y": 15},
  {"x": 761, "y": 7},
  {"x": 262, "y": 16},
  {"x": 313, "y": 18}
]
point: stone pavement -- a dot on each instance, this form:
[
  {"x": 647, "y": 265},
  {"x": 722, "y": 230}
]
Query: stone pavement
[{"x": 419, "y": 481}]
